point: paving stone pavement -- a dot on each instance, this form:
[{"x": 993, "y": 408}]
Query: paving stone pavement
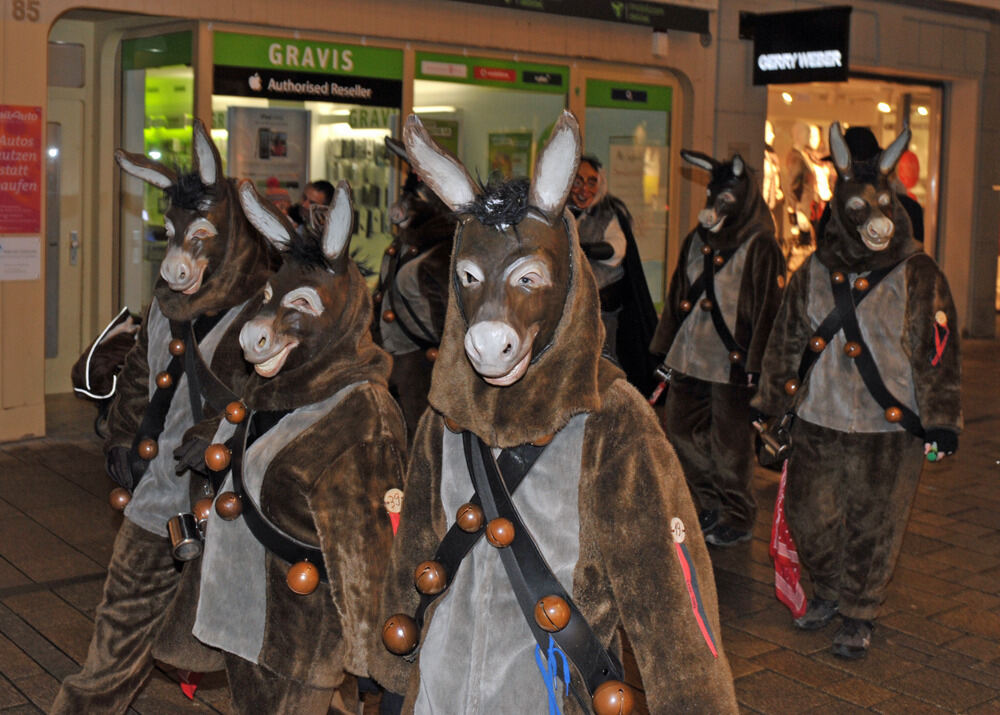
[{"x": 936, "y": 646}]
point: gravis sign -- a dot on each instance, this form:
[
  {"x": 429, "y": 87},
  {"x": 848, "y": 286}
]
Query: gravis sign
[
  {"x": 802, "y": 46},
  {"x": 311, "y": 57}
]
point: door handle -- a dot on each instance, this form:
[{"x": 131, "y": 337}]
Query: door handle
[{"x": 74, "y": 247}]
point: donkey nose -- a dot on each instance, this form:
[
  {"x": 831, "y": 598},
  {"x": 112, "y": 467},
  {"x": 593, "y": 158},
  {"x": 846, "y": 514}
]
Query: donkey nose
[
  {"x": 176, "y": 268},
  {"x": 256, "y": 339},
  {"x": 493, "y": 346}
]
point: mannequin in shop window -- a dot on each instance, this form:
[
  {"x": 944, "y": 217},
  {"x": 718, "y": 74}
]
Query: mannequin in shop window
[
  {"x": 803, "y": 202},
  {"x": 774, "y": 197},
  {"x": 605, "y": 228}
]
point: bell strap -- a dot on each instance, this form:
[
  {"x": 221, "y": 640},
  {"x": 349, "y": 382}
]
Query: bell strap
[
  {"x": 530, "y": 575},
  {"x": 272, "y": 538},
  {"x": 717, "y": 319},
  {"x": 457, "y": 543},
  {"x": 865, "y": 362},
  {"x": 201, "y": 380},
  {"x": 833, "y": 322}
]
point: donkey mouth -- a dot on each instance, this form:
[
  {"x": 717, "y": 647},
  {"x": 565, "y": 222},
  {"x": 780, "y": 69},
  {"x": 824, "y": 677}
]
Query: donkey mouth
[
  {"x": 515, "y": 373},
  {"x": 875, "y": 241},
  {"x": 272, "y": 365},
  {"x": 191, "y": 286}
]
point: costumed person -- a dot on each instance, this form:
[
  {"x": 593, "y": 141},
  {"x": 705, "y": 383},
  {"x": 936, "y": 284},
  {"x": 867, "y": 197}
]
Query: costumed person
[
  {"x": 542, "y": 447},
  {"x": 306, "y": 470},
  {"x": 215, "y": 262},
  {"x": 802, "y": 201},
  {"x": 604, "y": 225},
  {"x": 863, "y": 362},
  {"x": 412, "y": 293},
  {"x": 720, "y": 308}
]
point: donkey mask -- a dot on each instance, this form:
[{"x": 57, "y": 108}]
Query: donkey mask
[
  {"x": 520, "y": 292},
  {"x": 864, "y": 202},
  {"x": 312, "y": 325},
  {"x": 214, "y": 258},
  {"x": 728, "y": 189}
]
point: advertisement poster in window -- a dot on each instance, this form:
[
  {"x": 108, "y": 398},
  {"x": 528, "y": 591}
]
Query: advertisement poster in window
[
  {"x": 271, "y": 147},
  {"x": 21, "y": 150},
  {"x": 510, "y": 154}
]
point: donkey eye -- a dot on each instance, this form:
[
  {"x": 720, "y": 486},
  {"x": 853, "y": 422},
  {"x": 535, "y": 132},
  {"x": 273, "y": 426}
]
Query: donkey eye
[
  {"x": 468, "y": 279},
  {"x": 855, "y": 203},
  {"x": 528, "y": 279},
  {"x": 169, "y": 227},
  {"x": 884, "y": 199},
  {"x": 469, "y": 273},
  {"x": 305, "y": 300},
  {"x": 268, "y": 292}
]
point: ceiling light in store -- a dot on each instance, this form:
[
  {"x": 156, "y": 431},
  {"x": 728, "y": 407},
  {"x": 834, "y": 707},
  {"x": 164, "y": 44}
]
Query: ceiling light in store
[
  {"x": 884, "y": 107},
  {"x": 340, "y": 112},
  {"x": 922, "y": 111},
  {"x": 53, "y": 152},
  {"x": 220, "y": 133},
  {"x": 786, "y": 97},
  {"x": 440, "y": 109},
  {"x": 155, "y": 155}
]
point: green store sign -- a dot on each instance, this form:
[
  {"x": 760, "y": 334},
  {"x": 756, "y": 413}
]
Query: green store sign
[
  {"x": 628, "y": 95},
  {"x": 283, "y": 53},
  {"x": 492, "y": 72}
]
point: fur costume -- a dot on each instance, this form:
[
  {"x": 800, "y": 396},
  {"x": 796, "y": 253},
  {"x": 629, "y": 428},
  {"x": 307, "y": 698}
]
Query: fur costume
[
  {"x": 852, "y": 473},
  {"x": 707, "y": 415},
  {"x": 142, "y": 575},
  {"x": 319, "y": 475},
  {"x": 600, "y": 502}
]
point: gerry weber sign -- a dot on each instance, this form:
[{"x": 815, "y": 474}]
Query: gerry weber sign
[
  {"x": 804, "y": 46},
  {"x": 304, "y": 70}
]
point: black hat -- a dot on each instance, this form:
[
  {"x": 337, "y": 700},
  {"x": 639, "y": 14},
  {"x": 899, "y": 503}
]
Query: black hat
[{"x": 862, "y": 143}]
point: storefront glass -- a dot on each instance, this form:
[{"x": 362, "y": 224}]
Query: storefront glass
[{"x": 628, "y": 130}]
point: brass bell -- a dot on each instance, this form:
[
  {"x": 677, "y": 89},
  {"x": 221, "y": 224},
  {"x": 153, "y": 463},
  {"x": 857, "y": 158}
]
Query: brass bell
[
  {"x": 236, "y": 412},
  {"x": 718, "y": 260},
  {"x": 201, "y": 509},
  {"x": 735, "y": 356},
  {"x": 500, "y": 532},
  {"x": 431, "y": 354},
  {"x": 706, "y": 304},
  {"x": 852, "y": 349},
  {"x": 452, "y": 425},
  {"x": 228, "y": 506},
  {"x": 861, "y": 285},
  {"x": 148, "y": 449},
  {"x": 119, "y": 498},
  {"x": 388, "y": 316},
  {"x": 838, "y": 277},
  {"x": 302, "y": 578},
  {"x": 377, "y": 298},
  {"x": 817, "y": 344},
  {"x": 613, "y": 697},
  {"x": 176, "y": 347},
  {"x": 791, "y": 387},
  {"x": 391, "y": 250},
  {"x": 707, "y": 250},
  {"x": 552, "y": 613},
  {"x": 470, "y": 518},
  {"x": 543, "y": 440},
  {"x": 164, "y": 380},
  {"x": 430, "y": 578},
  {"x": 893, "y": 414},
  {"x": 217, "y": 457},
  {"x": 686, "y": 306},
  {"x": 400, "y": 634},
  {"x": 412, "y": 251}
]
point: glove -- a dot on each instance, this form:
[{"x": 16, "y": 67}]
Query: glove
[
  {"x": 941, "y": 441},
  {"x": 191, "y": 455},
  {"x": 117, "y": 466}
]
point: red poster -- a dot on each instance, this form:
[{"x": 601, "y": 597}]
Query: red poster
[
  {"x": 495, "y": 73},
  {"x": 21, "y": 150}
]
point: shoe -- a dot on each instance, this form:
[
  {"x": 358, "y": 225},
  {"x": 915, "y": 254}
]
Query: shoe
[
  {"x": 708, "y": 519},
  {"x": 853, "y": 638},
  {"x": 818, "y": 614},
  {"x": 724, "y": 535}
]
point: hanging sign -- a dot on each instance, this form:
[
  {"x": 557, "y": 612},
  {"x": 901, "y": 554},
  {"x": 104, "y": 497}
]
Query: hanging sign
[
  {"x": 628, "y": 95},
  {"x": 493, "y": 72},
  {"x": 801, "y": 46},
  {"x": 306, "y": 70},
  {"x": 21, "y": 149}
]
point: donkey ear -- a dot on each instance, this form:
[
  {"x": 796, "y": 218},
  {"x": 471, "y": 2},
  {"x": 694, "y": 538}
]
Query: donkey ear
[
  {"x": 437, "y": 167},
  {"x": 840, "y": 152},
  {"x": 887, "y": 162},
  {"x": 207, "y": 161},
  {"x": 264, "y": 216},
  {"x": 142, "y": 167},
  {"x": 337, "y": 232},
  {"x": 556, "y": 167},
  {"x": 702, "y": 161},
  {"x": 738, "y": 165}
]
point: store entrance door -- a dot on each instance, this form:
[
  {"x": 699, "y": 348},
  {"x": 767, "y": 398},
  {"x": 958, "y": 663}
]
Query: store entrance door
[{"x": 64, "y": 238}]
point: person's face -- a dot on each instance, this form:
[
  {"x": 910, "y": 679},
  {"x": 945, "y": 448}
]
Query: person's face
[
  {"x": 312, "y": 195},
  {"x": 584, "y": 186}
]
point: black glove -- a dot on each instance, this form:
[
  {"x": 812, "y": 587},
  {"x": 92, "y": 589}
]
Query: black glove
[
  {"x": 117, "y": 466},
  {"x": 191, "y": 455},
  {"x": 600, "y": 251},
  {"x": 946, "y": 439}
]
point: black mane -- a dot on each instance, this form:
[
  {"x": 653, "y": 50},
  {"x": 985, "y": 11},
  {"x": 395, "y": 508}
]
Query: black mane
[
  {"x": 307, "y": 249},
  {"x": 188, "y": 192},
  {"x": 501, "y": 203}
]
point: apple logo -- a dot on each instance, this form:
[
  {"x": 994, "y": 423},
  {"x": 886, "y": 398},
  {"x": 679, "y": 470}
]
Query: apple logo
[{"x": 254, "y": 81}]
